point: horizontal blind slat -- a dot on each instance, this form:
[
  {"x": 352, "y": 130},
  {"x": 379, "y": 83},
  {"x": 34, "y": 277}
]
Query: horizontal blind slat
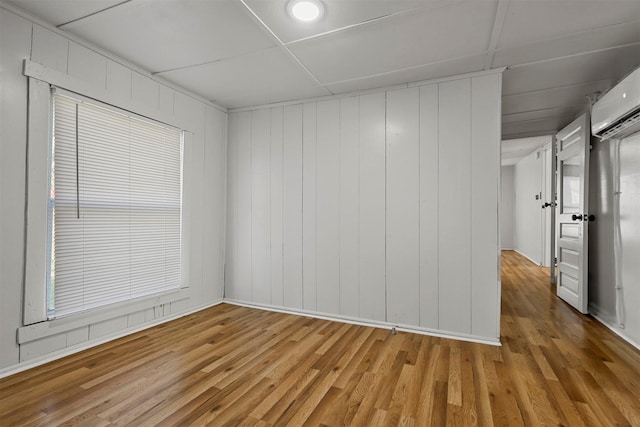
[{"x": 126, "y": 242}]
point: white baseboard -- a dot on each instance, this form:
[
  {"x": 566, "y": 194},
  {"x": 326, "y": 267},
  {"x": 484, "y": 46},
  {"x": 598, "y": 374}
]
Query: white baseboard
[
  {"x": 538, "y": 263},
  {"x": 369, "y": 323},
  {"x": 14, "y": 369},
  {"x": 615, "y": 329}
]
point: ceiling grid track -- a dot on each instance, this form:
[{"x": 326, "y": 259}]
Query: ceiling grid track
[
  {"x": 501, "y": 13},
  {"x": 284, "y": 47}
]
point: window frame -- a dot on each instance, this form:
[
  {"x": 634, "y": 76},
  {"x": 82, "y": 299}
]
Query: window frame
[
  {"x": 35, "y": 323},
  {"x": 51, "y": 202}
]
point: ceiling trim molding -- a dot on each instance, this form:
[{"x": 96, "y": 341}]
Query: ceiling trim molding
[{"x": 109, "y": 55}]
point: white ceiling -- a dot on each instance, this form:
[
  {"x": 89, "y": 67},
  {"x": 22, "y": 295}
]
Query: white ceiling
[{"x": 249, "y": 52}]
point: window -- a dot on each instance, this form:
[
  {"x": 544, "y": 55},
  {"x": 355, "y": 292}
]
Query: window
[{"x": 115, "y": 206}]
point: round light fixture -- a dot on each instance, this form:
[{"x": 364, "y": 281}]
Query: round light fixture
[{"x": 305, "y": 10}]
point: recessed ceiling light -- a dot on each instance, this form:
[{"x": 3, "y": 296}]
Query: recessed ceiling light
[{"x": 305, "y": 10}]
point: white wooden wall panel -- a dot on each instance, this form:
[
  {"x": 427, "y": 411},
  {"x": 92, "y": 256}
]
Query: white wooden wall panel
[
  {"x": 243, "y": 276},
  {"x": 328, "y": 207},
  {"x": 214, "y": 192},
  {"x": 118, "y": 80},
  {"x": 81, "y": 335},
  {"x": 372, "y": 206},
  {"x": 196, "y": 218},
  {"x": 429, "y": 177},
  {"x": 231, "y": 256},
  {"x": 79, "y": 68},
  {"x": 309, "y": 153},
  {"x": 485, "y": 175},
  {"x": 167, "y": 101},
  {"x": 349, "y": 206},
  {"x": 402, "y": 221},
  {"x": 292, "y": 206},
  {"x": 454, "y": 206},
  {"x": 49, "y": 49},
  {"x": 371, "y": 231},
  {"x": 188, "y": 111},
  {"x": 276, "y": 207},
  {"x": 87, "y": 65},
  {"x": 260, "y": 206},
  {"x": 187, "y": 196},
  {"x": 15, "y": 44},
  {"x": 145, "y": 93}
]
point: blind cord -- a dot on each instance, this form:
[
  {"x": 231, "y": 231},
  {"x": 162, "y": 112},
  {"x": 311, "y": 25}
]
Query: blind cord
[{"x": 77, "y": 170}]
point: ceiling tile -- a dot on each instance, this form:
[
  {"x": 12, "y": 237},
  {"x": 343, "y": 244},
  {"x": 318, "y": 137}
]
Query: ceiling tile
[
  {"x": 571, "y": 70},
  {"x": 567, "y": 97},
  {"x": 553, "y": 124},
  {"x": 338, "y": 14},
  {"x": 453, "y": 31},
  {"x": 540, "y": 114},
  {"x": 164, "y": 35},
  {"x": 602, "y": 38},
  {"x": 62, "y": 11},
  {"x": 257, "y": 78},
  {"x": 530, "y": 21},
  {"x": 424, "y": 72}
]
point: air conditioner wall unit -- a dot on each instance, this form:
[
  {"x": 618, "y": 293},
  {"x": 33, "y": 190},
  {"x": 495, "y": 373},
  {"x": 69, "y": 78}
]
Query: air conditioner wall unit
[{"x": 617, "y": 112}]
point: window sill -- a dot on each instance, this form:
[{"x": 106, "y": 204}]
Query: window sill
[{"x": 73, "y": 321}]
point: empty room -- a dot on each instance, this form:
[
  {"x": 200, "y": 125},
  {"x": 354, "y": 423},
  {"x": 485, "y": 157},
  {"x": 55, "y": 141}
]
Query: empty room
[{"x": 319, "y": 212}]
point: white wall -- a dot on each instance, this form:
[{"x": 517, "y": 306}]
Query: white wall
[
  {"x": 602, "y": 266},
  {"x": 78, "y": 65},
  {"x": 527, "y": 210},
  {"x": 506, "y": 207},
  {"x": 382, "y": 207}
]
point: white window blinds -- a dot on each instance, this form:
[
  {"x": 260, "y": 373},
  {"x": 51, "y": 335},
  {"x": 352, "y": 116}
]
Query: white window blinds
[{"x": 115, "y": 208}]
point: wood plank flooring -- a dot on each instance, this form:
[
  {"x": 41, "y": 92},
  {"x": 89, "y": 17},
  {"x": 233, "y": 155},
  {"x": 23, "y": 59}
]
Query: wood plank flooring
[{"x": 234, "y": 366}]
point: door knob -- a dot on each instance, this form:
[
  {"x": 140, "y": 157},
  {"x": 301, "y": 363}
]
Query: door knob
[{"x": 575, "y": 217}]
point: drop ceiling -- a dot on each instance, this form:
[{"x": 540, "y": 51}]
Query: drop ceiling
[{"x": 241, "y": 53}]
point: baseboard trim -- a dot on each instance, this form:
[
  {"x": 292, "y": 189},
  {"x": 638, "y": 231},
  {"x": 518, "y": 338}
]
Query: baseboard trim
[
  {"x": 613, "y": 328},
  {"x": 370, "y": 323},
  {"x": 527, "y": 257},
  {"x": 14, "y": 369}
]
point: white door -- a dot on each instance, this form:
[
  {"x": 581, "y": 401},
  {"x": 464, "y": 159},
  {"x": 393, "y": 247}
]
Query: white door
[{"x": 573, "y": 144}]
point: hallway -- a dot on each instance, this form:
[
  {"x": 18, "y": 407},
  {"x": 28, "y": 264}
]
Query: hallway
[
  {"x": 565, "y": 367},
  {"x": 232, "y": 365}
]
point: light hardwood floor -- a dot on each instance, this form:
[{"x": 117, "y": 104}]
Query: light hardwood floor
[{"x": 233, "y": 366}]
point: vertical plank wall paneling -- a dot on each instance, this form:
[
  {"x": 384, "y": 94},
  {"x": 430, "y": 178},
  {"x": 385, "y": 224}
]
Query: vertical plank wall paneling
[
  {"x": 454, "y": 206},
  {"x": 292, "y": 206},
  {"x": 485, "y": 99},
  {"x": 429, "y": 187},
  {"x": 328, "y": 207},
  {"x": 403, "y": 233},
  {"x": 13, "y": 171},
  {"x": 78, "y": 67},
  {"x": 371, "y": 233},
  {"x": 260, "y": 206},
  {"x": 384, "y": 205},
  {"x": 348, "y": 182},
  {"x": 231, "y": 254},
  {"x": 309, "y": 188},
  {"x": 276, "y": 183},
  {"x": 243, "y": 288}
]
